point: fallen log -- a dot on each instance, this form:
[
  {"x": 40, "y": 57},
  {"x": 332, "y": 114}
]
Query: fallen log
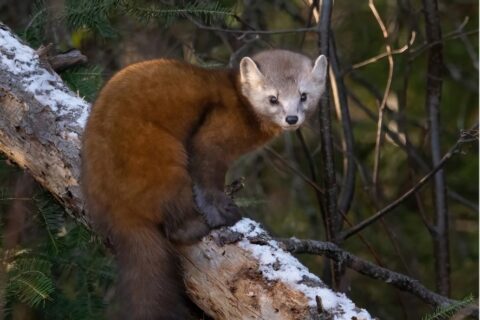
[{"x": 41, "y": 123}]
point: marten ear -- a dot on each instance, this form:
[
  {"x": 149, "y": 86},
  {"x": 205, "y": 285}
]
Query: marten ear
[
  {"x": 249, "y": 72},
  {"x": 319, "y": 71}
]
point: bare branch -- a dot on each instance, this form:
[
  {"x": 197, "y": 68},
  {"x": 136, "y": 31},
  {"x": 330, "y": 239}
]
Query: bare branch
[
  {"x": 416, "y": 51},
  {"x": 311, "y": 167},
  {"x": 398, "y": 280},
  {"x": 459, "y": 33},
  {"x": 242, "y": 33},
  {"x": 385, "y": 54},
  {"x": 381, "y": 109},
  {"x": 348, "y": 233},
  {"x": 340, "y": 98},
  {"x": 67, "y": 60},
  {"x": 296, "y": 171},
  {"x": 407, "y": 147}
]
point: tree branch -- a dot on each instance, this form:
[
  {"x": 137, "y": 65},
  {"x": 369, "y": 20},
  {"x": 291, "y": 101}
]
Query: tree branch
[
  {"x": 348, "y": 233},
  {"x": 395, "y": 136},
  {"x": 398, "y": 280}
]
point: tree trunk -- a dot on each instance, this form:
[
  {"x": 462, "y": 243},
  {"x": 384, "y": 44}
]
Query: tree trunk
[{"x": 41, "y": 123}]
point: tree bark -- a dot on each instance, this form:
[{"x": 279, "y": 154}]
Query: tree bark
[{"x": 41, "y": 123}]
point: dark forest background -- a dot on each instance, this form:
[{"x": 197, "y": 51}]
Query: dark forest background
[{"x": 53, "y": 268}]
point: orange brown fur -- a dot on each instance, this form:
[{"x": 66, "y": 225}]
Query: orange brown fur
[{"x": 156, "y": 129}]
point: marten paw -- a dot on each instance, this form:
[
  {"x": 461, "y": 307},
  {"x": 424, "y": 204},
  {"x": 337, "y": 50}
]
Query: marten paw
[
  {"x": 216, "y": 207},
  {"x": 229, "y": 210},
  {"x": 191, "y": 231}
]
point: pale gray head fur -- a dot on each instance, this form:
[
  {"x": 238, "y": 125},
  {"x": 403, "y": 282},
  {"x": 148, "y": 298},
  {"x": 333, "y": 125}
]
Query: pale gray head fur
[{"x": 280, "y": 84}]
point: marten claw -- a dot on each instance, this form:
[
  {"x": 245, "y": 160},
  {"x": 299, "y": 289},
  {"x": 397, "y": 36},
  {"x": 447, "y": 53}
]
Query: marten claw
[{"x": 225, "y": 236}]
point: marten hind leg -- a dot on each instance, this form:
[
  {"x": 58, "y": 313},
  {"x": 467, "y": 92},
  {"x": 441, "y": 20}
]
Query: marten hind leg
[{"x": 157, "y": 184}]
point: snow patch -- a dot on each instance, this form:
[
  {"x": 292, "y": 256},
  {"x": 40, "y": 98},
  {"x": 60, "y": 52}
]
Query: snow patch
[
  {"x": 279, "y": 265},
  {"x": 47, "y": 87}
]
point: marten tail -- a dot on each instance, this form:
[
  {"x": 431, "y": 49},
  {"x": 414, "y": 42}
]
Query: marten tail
[{"x": 150, "y": 279}]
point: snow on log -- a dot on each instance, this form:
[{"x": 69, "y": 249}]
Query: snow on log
[
  {"x": 259, "y": 280},
  {"x": 41, "y": 122}
]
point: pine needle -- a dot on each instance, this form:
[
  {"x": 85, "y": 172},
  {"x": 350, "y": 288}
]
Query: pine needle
[
  {"x": 209, "y": 12},
  {"x": 446, "y": 312},
  {"x": 86, "y": 81}
]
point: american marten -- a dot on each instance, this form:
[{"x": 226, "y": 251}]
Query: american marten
[{"x": 157, "y": 145}]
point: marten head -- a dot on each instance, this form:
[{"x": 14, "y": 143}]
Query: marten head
[{"x": 282, "y": 86}]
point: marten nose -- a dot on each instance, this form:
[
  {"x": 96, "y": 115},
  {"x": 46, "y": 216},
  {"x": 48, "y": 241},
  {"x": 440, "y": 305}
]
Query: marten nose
[{"x": 291, "y": 119}]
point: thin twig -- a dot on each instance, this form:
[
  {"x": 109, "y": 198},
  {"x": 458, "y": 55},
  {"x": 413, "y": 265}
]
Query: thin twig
[
  {"x": 384, "y": 55},
  {"x": 462, "y": 200},
  {"x": 311, "y": 167},
  {"x": 312, "y": 183},
  {"x": 458, "y": 33},
  {"x": 401, "y": 117},
  {"x": 348, "y": 233},
  {"x": 339, "y": 91},
  {"x": 469, "y": 48},
  {"x": 408, "y": 148},
  {"x": 311, "y": 7},
  {"x": 247, "y": 32},
  {"x": 381, "y": 109}
]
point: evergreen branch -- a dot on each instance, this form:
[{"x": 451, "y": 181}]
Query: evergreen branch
[
  {"x": 84, "y": 80},
  {"x": 208, "y": 12},
  {"x": 37, "y": 290},
  {"x": 30, "y": 280},
  {"x": 27, "y": 272},
  {"x": 34, "y": 31},
  {"x": 52, "y": 217},
  {"x": 92, "y": 14},
  {"x": 50, "y": 235},
  {"x": 446, "y": 312}
]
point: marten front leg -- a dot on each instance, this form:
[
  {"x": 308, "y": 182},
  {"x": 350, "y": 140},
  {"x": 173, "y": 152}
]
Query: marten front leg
[{"x": 208, "y": 169}]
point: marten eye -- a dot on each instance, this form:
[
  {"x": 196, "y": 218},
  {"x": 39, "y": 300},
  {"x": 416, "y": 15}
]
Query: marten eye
[
  {"x": 273, "y": 100},
  {"x": 303, "y": 97}
]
